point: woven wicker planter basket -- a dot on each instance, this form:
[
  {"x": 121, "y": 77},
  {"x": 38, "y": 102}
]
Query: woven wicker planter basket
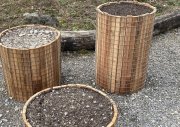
[
  {"x": 122, "y": 48},
  {"x": 115, "y": 111},
  {"x": 27, "y": 71}
]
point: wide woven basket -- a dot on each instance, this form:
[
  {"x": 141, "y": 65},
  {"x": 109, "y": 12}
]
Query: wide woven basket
[
  {"x": 122, "y": 49},
  {"x": 114, "y": 107},
  {"x": 27, "y": 71}
]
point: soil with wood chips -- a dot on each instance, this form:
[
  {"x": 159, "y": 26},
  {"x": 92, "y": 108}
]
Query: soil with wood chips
[
  {"x": 70, "y": 107},
  {"x": 124, "y": 9}
]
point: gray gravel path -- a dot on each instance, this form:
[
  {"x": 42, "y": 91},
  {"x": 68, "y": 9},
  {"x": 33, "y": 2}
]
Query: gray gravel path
[{"x": 157, "y": 105}]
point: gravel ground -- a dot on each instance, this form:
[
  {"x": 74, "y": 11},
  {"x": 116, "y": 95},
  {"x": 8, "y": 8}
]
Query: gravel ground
[{"x": 157, "y": 105}]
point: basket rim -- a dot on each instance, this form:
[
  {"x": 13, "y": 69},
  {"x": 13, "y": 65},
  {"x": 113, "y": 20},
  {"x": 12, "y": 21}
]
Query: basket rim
[
  {"x": 115, "y": 110},
  {"x": 31, "y": 25},
  {"x": 98, "y": 9}
]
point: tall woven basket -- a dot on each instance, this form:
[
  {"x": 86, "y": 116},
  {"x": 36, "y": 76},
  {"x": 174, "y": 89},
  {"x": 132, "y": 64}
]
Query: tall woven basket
[
  {"x": 27, "y": 71},
  {"x": 122, "y": 48}
]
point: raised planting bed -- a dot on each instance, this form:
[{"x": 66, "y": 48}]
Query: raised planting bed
[
  {"x": 124, "y": 32},
  {"x": 30, "y": 57},
  {"x": 73, "y": 105}
]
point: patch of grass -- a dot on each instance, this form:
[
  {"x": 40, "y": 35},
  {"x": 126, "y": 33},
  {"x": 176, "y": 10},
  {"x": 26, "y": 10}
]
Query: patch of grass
[
  {"x": 160, "y": 8},
  {"x": 63, "y": 23},
  {"x": 11, "y": 11},
  {"x": 143, "y": 0},
  {"x": 63, "y": 2},
  {"x": 72, "y": 14},
  {"x": 83, "y": 52},
  {"x": 173, "y": 2}
]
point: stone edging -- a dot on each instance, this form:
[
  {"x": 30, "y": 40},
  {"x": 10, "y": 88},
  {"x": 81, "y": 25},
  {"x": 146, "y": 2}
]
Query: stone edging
[{"x": 85, "y": 40}]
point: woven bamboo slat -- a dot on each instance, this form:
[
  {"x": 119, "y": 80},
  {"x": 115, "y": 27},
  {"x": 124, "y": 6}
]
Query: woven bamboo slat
[
  {"x": 114, "y": 107},
  {"x": 27, "y": 71},
  {"x": 122, "y": 47}
]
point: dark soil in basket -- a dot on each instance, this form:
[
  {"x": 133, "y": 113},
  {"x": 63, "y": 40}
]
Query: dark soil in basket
[
  {"x": 124, "y": 9},
  {"x": 70, "y": 107}
]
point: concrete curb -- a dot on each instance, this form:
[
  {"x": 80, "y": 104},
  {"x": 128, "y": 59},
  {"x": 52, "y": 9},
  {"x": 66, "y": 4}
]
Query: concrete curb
[{"x": 85, "y": 40}]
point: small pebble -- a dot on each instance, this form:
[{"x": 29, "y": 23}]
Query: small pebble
[
  {"x": 46, "y": 31},
  {"x": 72, "y": 107},
  {"x": 65, "y": 113},
  {"x": 87, "y": 106},
  {"x": 94, "y": 102},
  {"x": 5, "y": 120},
  {"x": 100, "y": 105},
  {"x": 91, "y": 97},
  {"x": 70, "y": 78},
  {"x": 104, "y": 118},
  {"x": 83, "y": 94},
  {"x": 20, "y": 35},
  {"x": 35, "y": 31},
  {"x": 1, "y": 89},
  {"x": 146, "y": 96},
  {"x": 16, "y": 108},
  {"x": 31, "y": 31}
]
